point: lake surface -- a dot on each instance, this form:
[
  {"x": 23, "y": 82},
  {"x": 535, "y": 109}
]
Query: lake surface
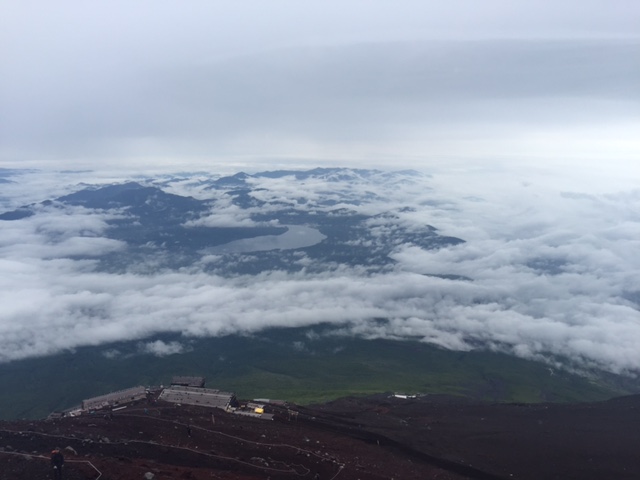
[{"x": 296, "y": 236}]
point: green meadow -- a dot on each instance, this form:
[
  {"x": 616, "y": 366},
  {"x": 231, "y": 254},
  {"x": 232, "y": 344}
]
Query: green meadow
[{"x": 293, "y": 365}]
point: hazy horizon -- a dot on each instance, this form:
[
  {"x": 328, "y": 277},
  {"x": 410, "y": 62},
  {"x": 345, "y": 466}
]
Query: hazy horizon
[{"x": 242, "y": 85}]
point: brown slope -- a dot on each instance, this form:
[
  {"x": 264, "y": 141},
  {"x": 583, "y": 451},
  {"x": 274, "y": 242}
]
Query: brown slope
[{"x": 354, "y": 438}]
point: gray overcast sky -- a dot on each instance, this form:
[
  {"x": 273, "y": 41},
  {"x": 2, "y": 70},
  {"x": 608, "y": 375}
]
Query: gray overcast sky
[{"x": 200, "y": 83}]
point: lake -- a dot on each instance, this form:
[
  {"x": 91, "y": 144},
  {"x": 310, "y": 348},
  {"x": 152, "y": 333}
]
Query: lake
[{"x": 297, "y": 236}]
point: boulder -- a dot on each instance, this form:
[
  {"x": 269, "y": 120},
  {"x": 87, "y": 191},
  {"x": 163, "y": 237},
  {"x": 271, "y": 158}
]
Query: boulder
[{"x": 71, "y": 450}]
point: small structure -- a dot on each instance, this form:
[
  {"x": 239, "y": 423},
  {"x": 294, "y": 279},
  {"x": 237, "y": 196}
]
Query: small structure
[
  {"x": 73, "y": 411},
  {"x": 115, "y": 398},
  {"x": 197, "y": 382},
  {"x": 204, "y": 397},
  {"x": 247, "y": 413},
  {"x": 404, "y": 396},
  {"x": 270, "y": 401},
  {"x": 255, "y": 407}
]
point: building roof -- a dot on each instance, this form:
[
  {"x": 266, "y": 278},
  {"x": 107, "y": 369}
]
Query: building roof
[
  {"x": 121, "y": 396},
  {"x": 205, "y": 397}
]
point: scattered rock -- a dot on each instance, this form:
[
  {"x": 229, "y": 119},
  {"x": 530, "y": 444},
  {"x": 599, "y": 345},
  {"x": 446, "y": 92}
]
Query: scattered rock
[
  {"x": 149, "y": 476},
  {"x": 71, "y": 449}
]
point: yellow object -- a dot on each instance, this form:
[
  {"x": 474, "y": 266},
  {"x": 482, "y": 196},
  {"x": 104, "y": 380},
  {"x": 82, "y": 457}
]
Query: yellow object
[{"x": 259, "y": 410}]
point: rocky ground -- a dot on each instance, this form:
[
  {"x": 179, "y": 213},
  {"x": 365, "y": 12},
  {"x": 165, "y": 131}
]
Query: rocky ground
[{"x": 371, "y": 438}]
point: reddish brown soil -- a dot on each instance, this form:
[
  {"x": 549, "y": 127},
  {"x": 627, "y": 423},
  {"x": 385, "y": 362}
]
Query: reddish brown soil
[{"x": 374, "y": 438}]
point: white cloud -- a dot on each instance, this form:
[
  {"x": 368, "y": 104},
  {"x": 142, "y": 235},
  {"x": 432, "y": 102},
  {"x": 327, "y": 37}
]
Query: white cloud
[
  {"x": 550, "y": 274},
  {"x": 410, "y": 102},
  {"x": 58, "y": 231},
  {"x": 224, "y": 213},
  {"x": 162, "y": 349}
]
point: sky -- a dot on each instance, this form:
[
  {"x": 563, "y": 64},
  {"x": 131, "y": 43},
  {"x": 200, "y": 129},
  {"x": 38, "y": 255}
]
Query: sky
[
  {"x": 526, "y": 116},
  {"x": 250, "y": 84}
]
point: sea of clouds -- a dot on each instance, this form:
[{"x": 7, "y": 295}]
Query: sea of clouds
[{"x": 549, "y": 271}]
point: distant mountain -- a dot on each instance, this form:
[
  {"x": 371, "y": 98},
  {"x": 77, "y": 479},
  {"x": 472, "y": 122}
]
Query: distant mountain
[
  {"x": 165, "y": 230},
  {"x": 149, "y": 204},
  {"x": 10, "y": 172},
  {"x": 22, "y": 212},
  {"x": 332, "y": 175}
]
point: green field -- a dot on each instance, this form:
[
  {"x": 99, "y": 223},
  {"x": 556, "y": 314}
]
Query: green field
[{"x": 287, "y": 364}]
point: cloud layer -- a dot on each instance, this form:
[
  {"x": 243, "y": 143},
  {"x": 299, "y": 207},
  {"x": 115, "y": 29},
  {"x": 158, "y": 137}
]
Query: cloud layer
[
  {"x": 544, "y": 274},
  {"x": 127, "y": 85}
]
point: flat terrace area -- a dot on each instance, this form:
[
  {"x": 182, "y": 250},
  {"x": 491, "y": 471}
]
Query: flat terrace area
[{"x": 205, "y": 397}]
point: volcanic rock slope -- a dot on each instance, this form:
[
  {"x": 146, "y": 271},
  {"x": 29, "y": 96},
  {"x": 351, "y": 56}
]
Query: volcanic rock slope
[{"x": 378, "y": 437}]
